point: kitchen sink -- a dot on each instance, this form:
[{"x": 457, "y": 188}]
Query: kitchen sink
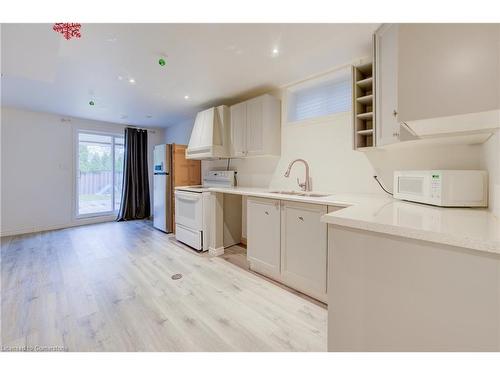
[
  {"x": 315, "y": 195},
  {"x": 287, "y": 192},
  {"x": 300, "y": 193}
]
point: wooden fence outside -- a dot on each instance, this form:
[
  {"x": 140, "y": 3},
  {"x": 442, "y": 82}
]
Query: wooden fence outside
[{"x": 98, "y": 182}]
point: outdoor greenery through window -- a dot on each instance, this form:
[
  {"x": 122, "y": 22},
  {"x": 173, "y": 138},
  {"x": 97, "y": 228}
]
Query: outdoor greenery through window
[{"x": 100, "y": 173}]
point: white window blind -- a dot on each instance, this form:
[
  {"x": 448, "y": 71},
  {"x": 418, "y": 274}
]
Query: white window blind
[{"x": 321, "y": 97}]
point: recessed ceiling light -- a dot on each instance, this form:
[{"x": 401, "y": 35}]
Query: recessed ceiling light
[
  {"x": 186, "y": 97},
  {"x": 275, "y": 51},
  {"x": 131, "y": 80}
]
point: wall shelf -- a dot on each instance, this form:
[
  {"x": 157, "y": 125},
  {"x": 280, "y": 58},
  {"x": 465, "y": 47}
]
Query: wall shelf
[
  {"x": 366, "y": 83},
  {"x": 365, "y": 116},
  {"x": 365, "y": 132},
  {"x": 363, "y": 106},
  {"x": 365, "y": 99}
]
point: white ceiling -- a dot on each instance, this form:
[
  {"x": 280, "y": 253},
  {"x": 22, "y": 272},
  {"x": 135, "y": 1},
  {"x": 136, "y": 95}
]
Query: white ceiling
[{"x": 212, "y": 63}]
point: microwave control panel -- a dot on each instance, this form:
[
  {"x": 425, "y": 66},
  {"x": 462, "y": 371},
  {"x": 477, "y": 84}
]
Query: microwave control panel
[{"x": 435, "y": 185}]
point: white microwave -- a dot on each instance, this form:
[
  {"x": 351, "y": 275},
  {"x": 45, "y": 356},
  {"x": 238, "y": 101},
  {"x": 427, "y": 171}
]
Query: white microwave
[{"x": 446, "y": 188}]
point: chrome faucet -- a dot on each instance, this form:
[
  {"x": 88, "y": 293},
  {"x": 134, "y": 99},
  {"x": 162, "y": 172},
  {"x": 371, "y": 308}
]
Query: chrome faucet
[{"x": 306, "y": 185}]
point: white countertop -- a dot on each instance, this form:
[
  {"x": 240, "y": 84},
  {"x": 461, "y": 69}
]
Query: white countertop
[{"x": 470, "y": 228}]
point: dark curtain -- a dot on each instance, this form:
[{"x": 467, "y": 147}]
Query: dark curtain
[{"x": 135, "y": 192}]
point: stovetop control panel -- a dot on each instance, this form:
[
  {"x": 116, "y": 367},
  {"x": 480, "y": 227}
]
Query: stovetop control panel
[{"x": 219, "y": 178}]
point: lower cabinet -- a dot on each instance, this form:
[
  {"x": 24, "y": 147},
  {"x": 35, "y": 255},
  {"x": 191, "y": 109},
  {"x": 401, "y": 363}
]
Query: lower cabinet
[
  {"x": 304, "y": 248},
  {"x": 263, "y": 236},
  {"x": 288, "y": 242}
]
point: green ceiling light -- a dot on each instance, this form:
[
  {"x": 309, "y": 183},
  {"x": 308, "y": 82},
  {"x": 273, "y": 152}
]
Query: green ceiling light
[
  {"x": 162, "y": 61},
  {"x": 91, "y": 102}
]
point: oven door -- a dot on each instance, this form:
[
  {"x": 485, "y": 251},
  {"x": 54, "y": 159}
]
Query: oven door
[{"x": 189, "y": 209}]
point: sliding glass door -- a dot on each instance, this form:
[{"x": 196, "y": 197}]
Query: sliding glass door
[{"x": 99, "y": 173}]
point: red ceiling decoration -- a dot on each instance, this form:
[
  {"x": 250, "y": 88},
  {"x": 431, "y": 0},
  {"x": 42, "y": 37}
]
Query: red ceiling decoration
[{"x": 68, "y": 30}]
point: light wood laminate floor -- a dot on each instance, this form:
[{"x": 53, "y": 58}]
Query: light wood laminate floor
[{"x": 108, "y": 287}]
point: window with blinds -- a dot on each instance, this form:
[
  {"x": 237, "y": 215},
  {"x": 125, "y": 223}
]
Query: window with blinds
[{"x": 321, "y": 97}]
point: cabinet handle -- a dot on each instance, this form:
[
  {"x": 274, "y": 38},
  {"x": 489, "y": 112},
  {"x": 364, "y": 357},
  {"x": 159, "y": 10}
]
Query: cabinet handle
[
  {"x": 301, "y": 218},
  {"x": 395, "y": 134},
  {"x": 267, "y": 213},
  {"x": 395, "y": 113}
]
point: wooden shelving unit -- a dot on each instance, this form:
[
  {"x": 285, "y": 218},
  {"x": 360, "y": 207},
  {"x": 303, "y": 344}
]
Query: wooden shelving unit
[{"x": 363, "y": 106}]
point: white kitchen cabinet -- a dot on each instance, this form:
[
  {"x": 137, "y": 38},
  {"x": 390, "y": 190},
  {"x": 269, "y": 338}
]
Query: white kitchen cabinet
[
  {"x": 288, "y": 242},
  {"x": 263, "y": 236},
  {"x": 386, "y": 84},
  {"x": 256, "y": 127},
  {"x": 397, "y": 294},
  {"x": 447, "y": 69},
  {"x": 304, "y": 248},
  {"x": 436, "y": 79},
  {"x": 238, "y": 129}
]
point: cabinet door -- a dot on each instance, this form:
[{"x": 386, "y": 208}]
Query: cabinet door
[
  {"x": 386, "y": 84},
  {"x": 185, "y": 171},
  {"x": 304, "y": 248},
  {"x": 263, "y": 236},
  {"x": 255, "y": 130},
  {"x": 238, "y": 129},
  {"x": 448, "y": 70}
]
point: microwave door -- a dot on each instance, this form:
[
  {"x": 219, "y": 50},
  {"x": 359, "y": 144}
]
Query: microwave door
[{"x": 414, "y": 188}]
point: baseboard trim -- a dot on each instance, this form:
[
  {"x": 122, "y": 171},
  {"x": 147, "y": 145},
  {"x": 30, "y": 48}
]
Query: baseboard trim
[
  {"x": 216, "y": 252},
  {"x": 76, "y": 223},
  {"x": 244, "y": 240}
]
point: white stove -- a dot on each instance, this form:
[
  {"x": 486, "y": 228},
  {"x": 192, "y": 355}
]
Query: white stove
[
  {"x": 212, "y": 179},
  {"x": 192, "y": 189},
  {"x": 192, "y": 209}
]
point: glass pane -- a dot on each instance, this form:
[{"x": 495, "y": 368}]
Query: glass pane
[
  {"x": 119, "y": 152},
  {"x": 95, "y": 174},
  {"x": 320, "y": 98}
]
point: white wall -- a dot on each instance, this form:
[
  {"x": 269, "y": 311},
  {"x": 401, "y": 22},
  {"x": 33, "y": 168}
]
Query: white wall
[
  {"x": 337, "y": 168},
  {"x": 490, "y": 160},
  {"x": 38, "y": 174},
  {"x": 179, "y": 133},
  {"x": 334, "y": 166}
]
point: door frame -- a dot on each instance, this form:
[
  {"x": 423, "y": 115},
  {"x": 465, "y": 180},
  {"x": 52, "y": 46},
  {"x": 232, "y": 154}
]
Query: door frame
[{"x": 76, "y": 156}]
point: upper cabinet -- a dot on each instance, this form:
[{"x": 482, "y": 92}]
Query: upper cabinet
[
  {"x": 447, "y": 69},
  {"x": 256, "y": 127},
  {"x": 238, "y": 129},
  {"x": 386, "y": 84},
  {"x": 436, "y": 79}
]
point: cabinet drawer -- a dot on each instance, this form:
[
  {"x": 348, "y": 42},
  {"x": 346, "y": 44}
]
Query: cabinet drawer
[{"x": 189, "y": 236}]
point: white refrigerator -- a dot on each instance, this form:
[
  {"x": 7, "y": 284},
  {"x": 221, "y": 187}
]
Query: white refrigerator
[{"x": 163, "y": 216}]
